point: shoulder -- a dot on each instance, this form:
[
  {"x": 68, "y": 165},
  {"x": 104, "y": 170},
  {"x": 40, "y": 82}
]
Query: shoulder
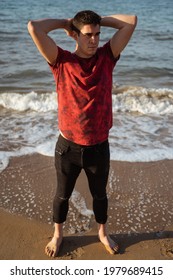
[
  {"x": 63, "y": 56},
  {"x": 107, "y": 51}
]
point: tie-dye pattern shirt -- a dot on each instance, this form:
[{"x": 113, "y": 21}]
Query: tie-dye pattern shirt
[{"x": 84, "y": 87}]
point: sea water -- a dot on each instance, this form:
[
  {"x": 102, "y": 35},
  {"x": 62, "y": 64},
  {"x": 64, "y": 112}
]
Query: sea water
[{"x": 142, "y": 81}]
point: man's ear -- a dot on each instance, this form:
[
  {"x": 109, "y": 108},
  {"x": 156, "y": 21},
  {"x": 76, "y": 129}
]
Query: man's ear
[{"x": 75, "y": 35}]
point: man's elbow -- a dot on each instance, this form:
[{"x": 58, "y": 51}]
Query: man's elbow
[
  {"x": 31, "y": 27},
  {"x": 134, "y": 20}
]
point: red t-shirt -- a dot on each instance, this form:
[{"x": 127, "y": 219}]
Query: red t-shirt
[{"x": 84, "y": 87}]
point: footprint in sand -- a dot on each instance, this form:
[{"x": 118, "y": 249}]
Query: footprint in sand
[{"x": 167, "y": 249}]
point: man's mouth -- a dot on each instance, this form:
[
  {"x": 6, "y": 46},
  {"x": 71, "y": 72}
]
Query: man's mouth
[{"x": 92, "y": 47}]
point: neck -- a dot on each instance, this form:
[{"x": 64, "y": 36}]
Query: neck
[{"x": 81, "y": 54}]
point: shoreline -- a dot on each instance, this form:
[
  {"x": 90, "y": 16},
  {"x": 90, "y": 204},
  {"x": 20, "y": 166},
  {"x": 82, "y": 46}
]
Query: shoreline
[
  {"x": 140, "y": 212},
  {"x": 30, "y": 237}
]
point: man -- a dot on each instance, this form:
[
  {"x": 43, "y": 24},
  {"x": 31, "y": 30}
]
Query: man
[{"x": 84, "y": 84}]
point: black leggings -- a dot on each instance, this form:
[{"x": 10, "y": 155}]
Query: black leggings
[{"x": 70, "y": 159}]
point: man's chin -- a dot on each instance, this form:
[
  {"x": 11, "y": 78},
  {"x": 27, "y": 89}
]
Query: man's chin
[{"x": 92, "y": 50}]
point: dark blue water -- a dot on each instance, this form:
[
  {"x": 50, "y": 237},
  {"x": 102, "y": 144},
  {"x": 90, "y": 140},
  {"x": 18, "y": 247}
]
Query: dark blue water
[{"x": 147, "y": 61}]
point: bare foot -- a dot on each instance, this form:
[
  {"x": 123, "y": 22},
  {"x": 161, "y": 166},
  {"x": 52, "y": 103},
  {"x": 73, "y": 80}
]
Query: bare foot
[
  {"x": 110, "y": 245},
  {"x": 52, "y": 248}
]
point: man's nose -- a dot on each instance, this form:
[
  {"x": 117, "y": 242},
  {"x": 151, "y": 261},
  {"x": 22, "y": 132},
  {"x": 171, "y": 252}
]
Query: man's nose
[{"x": 93, "y": 38}]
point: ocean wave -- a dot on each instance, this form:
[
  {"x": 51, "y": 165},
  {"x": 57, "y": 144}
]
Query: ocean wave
[
  {"x": 143, "y": 100},
  {"x": 32, "y": 101},
  {"x": 125, "y": 99},
  {"x": 29, "y": 74}
]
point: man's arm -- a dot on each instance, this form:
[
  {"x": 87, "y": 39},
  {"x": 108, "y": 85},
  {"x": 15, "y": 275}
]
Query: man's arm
[
  {"x": 39, "y": 30},
  {"x": 126, "y": 25}
]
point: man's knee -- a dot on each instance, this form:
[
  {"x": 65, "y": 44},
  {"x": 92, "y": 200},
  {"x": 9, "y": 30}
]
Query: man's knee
[
  {"x": 60, "y": 199},
  {"x": 60, "y": 209}
]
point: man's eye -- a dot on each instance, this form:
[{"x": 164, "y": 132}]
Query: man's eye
[{"x": 89, "y": 35}]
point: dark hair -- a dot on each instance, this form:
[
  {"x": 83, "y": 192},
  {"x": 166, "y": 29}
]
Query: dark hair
[{"x": 85, "y": 17}]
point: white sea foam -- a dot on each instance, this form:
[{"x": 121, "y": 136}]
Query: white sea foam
[
  {"x": 4, "y": 161},
  {"x": 143, "y": 100},
  {"x": 47, "y": 148},
  {"x": 79, "y": 203},
  {"x": 31, "y": 101},
  {"x": 125, "y": 99}
]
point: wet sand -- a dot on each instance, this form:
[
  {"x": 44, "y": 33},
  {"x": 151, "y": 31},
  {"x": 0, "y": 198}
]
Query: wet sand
[{"x": 140, "y": 212}]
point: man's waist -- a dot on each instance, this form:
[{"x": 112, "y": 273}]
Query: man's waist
[{"x": 74, "y": 145}]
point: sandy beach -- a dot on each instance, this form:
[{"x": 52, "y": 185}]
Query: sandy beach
[{"x": 140, "y": 212}]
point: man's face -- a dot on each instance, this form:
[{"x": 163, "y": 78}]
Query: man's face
[{"x": 88, "y": 40}]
